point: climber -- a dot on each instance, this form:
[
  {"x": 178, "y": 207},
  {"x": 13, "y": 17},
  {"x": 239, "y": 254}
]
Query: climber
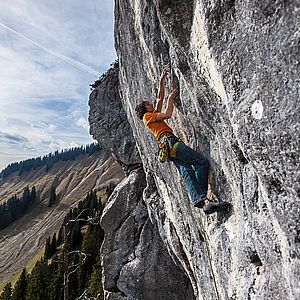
[{"x": 192, "y": 166}]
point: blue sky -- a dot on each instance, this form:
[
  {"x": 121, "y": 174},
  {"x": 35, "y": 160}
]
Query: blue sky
[{"x": 50, "y": 51}]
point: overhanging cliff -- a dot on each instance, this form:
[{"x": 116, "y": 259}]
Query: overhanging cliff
[{"x": 237, "y": 68}]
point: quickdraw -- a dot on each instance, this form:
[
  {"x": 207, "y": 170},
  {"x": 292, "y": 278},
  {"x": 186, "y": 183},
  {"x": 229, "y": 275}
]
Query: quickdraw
[{"x": 167, "y": 147}]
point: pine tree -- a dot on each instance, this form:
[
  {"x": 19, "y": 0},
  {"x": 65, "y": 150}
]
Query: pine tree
[
  {"x": 53, "y": 246},
  {"x": 82, "y": 278},
  {"x": 2, "y": 216},
  {"x": 60, "y": 238},
  {"x": 75, "y": 237},
  {"x": 93, "y": 203},
  {"x": 38, "y": 285},
  {"x": 52, "y": 197},
  {"x": 6, "y": 294},
  {"x": 47, "y": 253},
  {"x": 95, "y": 283},
  {"x": 21, "y": 170},
  {"x": 26, "y": 193},
  {"x": 73, "y": 287},
  {"x": 33, "y": 194},
  {"x": 110, "y": 189},
  {"x": 56, "y": 284},
  {"x": 49, "y": 165},
  {"x": 20, "y": 286},
  {"x": 91, "y": 245},
  {"x": 47, "y": 282}
]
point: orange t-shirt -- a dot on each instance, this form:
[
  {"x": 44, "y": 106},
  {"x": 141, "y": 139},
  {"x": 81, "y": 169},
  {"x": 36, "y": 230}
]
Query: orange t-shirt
[{"x": 157, "y": 128}]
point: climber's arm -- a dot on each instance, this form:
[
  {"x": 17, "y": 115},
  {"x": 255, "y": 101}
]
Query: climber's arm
[
  {"x": 161, "y": 91},
  {"x": 170, "y": 107}
]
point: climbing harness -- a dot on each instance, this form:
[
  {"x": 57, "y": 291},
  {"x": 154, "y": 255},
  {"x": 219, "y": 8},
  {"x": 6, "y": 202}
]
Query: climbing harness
[
  {"x": 167, "y": 145},
  {"x": 205, "y": 235}
]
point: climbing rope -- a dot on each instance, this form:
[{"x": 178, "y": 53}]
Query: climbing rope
[{"x": 204, "y": 233}]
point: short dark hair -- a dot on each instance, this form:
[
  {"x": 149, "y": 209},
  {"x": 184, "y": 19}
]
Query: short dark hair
[{"x": 140, "y": 109}]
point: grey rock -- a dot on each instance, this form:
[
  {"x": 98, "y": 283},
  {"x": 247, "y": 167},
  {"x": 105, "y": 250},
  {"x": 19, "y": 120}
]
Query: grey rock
[
  {"x": 136, "y": 264},
  {"x": 236, "y": 65},
  {"x": 108, "y": 121}
]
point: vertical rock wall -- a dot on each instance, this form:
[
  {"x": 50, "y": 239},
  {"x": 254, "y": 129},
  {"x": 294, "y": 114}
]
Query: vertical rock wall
[
  {"x": 136, "y": 264},
  {"x": 236, "y": 65},
  {"x": 135, "y": 261}
]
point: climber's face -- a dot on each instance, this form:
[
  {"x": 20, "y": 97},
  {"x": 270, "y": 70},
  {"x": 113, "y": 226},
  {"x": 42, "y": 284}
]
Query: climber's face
[{"x": 149, "y": 106}]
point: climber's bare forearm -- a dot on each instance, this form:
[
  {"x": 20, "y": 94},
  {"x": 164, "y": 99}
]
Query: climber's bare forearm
[
  {"x": 159, "y": 105},
  {"x": 161, "y": 90},
  {"x": 170, "y": 107}
]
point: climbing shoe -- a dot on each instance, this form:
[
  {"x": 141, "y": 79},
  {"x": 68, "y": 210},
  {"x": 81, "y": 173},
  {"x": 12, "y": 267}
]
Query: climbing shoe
[{"x": 212, "y": 207}]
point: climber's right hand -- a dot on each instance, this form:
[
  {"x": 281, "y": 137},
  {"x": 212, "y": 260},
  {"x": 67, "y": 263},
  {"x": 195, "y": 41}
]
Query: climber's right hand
[{"x": 164, "y": 73}]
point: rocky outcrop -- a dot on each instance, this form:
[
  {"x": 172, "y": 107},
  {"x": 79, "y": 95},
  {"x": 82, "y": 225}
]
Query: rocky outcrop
[
  {"x": 108, "y": 122},
  {"x": 136, "y": 263},
  {"x": 236, "y": 66}
]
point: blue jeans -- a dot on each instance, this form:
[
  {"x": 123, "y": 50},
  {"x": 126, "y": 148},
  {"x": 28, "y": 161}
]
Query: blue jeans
[{"x": 193, "y": 167}]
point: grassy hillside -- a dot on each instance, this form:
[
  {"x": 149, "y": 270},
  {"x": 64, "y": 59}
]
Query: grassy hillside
[{"x": 22, "y": 241}]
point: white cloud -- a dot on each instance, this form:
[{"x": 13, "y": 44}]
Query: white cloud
[
  {"x": 68, "y": 60},
  {"x": 43, "y": 98},
  {"x": 79, "y": 28},
  {"x": 82, "y": 122}
]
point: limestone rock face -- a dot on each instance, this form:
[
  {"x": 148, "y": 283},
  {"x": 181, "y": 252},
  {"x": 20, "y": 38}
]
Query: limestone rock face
[
  {"x": 236, "y": 65},
  {"x": 136, "y": 264},
  {"x": 108, "y": 121}
]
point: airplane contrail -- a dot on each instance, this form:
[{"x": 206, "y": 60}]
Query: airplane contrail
[{"x": 64, "y": 58}]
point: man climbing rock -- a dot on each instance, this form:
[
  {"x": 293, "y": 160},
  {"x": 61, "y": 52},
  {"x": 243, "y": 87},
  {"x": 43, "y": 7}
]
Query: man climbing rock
[{"x": 192, "y": 166}]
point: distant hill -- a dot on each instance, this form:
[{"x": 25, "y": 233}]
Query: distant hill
[
  {"x": 48, "y": 160},
  {"x": 72, "y": 179}
]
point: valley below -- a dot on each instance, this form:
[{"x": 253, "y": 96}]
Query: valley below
[{"x": 24, "y": 240}]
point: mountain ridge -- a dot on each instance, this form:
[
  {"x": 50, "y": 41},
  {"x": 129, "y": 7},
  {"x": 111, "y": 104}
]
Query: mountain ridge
[{"x": 20, "y": 242}]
